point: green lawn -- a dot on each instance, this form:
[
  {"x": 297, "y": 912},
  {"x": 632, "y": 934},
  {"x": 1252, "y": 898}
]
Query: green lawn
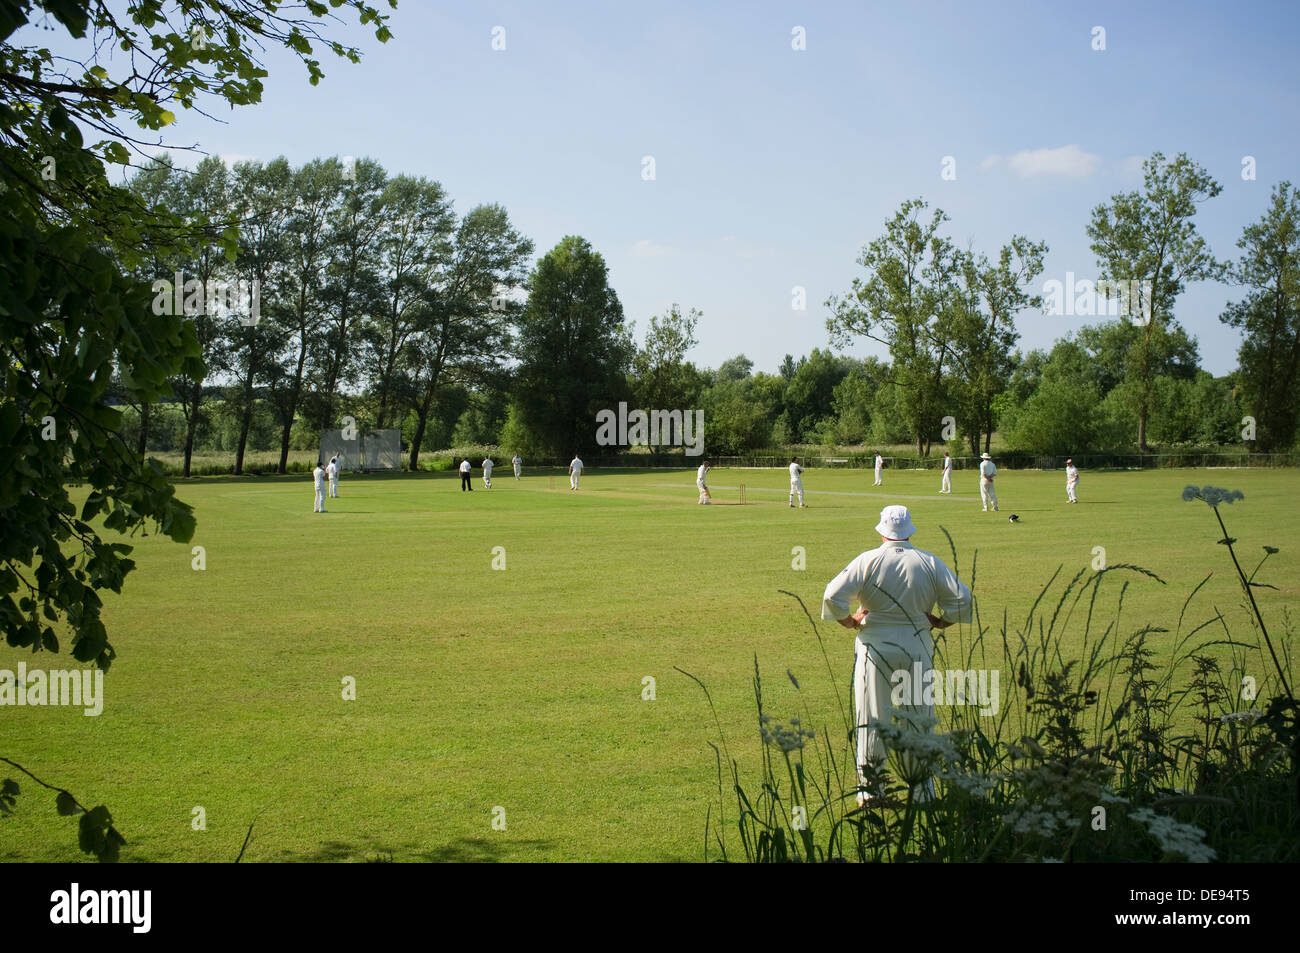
[{"x": 522, "y": 689}]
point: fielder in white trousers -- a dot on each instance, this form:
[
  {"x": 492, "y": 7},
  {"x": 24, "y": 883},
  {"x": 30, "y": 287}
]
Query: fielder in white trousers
[
  {"x": 318, "y": 475},
  {"x": 946, "y": 486},
  {"x": 988, "y": 470},
  {"x": 987, "y": 496},
  {"x": 895, "y": 586}
]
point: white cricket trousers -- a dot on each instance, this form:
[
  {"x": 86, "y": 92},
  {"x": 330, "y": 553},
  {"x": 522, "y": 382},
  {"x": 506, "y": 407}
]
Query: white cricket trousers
[
  {"x": 334, "y": 487},
  {"x": 881, "y": 651},
  {"x": 879, "y": 482},
  {"x": 1069, "y": 490},
  {"x": 947, "y": 482},
  {"x": 796, "y": 489},
  {"x": 573, "y": 480},
  {"x": 320, "y": 500},
  {"x": 704, "y": 490},
  {"x": 516, "y": 473},
  {"x": 987, "y": 496}
]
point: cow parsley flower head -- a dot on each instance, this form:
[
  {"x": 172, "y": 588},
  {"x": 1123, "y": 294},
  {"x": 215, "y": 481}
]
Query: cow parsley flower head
[
  {"x": 787, "y": 739},
  {"x": 1212, "y": 495},
  {"x": 1174, "y": 836}
]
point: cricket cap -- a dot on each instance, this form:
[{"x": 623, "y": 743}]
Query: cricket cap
[
  {"x": 1068, "y": 460},
  {"x": 895, "y": 523}
]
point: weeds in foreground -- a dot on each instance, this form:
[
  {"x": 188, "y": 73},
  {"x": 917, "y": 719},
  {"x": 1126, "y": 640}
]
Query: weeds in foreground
[{"x": 1085, "y": 758}]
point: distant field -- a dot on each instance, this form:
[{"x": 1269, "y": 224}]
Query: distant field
[
  {"x": 225, "y": 459},
  {"x": 521, "y": 689}
]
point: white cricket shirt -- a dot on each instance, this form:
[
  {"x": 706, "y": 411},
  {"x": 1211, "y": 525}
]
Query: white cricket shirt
[{"x": 916, "y": 580}]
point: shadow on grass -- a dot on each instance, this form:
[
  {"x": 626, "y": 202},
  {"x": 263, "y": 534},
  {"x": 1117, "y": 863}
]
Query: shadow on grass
[{"x": 463, "y": 850}]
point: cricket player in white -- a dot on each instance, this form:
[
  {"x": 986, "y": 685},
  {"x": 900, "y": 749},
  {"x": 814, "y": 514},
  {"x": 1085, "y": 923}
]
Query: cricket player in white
[
  {"x": 701, "y": 478},
  {"x": 796, "y": 482},
  {"x": 879, "y": 464},
  {"x": 896, "y": 586},
  {"x": 487, "y": 473},
  {"x": 1071, "y": 480},
  {"x": 987, "y": 472},
  {"x": 575, "y": 472},
  {"x": 318, "y": 475},
  {"x": 333, "y": 472},
  {"x": 946, "y": 486},
  {"x": 518, "y": 465}
]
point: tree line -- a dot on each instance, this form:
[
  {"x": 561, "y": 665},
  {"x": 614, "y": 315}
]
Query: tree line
[{"x": 378, "y": 302}]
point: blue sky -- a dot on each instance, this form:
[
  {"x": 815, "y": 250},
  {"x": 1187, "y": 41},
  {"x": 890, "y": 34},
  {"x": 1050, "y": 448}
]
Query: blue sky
[{"x": 772, "y": 166}]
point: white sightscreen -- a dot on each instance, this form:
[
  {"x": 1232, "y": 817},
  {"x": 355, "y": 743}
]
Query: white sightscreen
[
  {"x": 381, "y": 450},
  {"x": 332, "y": 442}
]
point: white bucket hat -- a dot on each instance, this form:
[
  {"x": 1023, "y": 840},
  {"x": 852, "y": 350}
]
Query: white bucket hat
[
  {"x": 895, "y": 523},
  {"x": 985, "y": 456}
]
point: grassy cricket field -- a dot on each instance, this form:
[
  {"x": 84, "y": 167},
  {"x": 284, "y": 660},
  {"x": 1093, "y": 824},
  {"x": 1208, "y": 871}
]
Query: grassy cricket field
[{"x": 503, "y": 644}]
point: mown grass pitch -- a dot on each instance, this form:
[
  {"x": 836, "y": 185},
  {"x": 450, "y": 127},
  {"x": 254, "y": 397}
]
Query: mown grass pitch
[{"x": 516, "y": 694}]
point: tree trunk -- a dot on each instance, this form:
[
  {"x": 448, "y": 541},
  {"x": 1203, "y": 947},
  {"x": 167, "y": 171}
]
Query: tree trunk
[
  {"x": 422, "y": 418},
  {"x": 192, "y": 425},
  {"x": 143, "y": 445},
  {"x": 416, "y": 440},
  {"x": 245, "y": 422}
]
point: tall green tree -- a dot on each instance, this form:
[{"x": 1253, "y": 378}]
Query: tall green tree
[
  {"x": 463, "y": 334},
  {"x": 353, "y": 290},
  {"x": 809, "y": 396},
  {"x": 156, "y": 185},
  {"x": 574, "y": 347},
  {"x": 204, "y": 199},
  {"x": 1269, "y": 318},
  {"x": 262, "y": 196},
  {"x": 300, "y": 292},
  {"x": 984, "y": 332},
  {"x": 1059, "y": 417},
  {"x": 664, "y": 379},
  {"x": 906, "y": 302},
  {"x": 1148, "y": 237},
  {"x": 415, "y": 247}
]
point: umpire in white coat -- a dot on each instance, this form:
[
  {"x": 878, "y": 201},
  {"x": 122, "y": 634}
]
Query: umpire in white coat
[
  {"x": 896, "y": 587},
  {"x": 988, "y": 470}
]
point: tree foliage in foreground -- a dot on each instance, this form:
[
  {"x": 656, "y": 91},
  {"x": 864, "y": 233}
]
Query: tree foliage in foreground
[{"x": 74, "y": 313}]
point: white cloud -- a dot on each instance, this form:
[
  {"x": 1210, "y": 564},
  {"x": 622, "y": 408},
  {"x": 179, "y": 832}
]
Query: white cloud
[
  {"x": 1068, "y": 161},
  {"x": 990, "y": 162},
  {"x": 230, "y": 158},
  {"x": 645, "y": 248},
  {"x": 1132, "y": 165}
]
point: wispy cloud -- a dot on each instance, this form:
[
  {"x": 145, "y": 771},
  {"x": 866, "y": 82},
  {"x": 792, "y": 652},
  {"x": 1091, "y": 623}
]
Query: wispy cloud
[
  {"x": 645, "y": 248},
  {"x": 1132, "y": 165},
  {"x": 1069, "y": 162},
  {"x": 230, "y": 158}
]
